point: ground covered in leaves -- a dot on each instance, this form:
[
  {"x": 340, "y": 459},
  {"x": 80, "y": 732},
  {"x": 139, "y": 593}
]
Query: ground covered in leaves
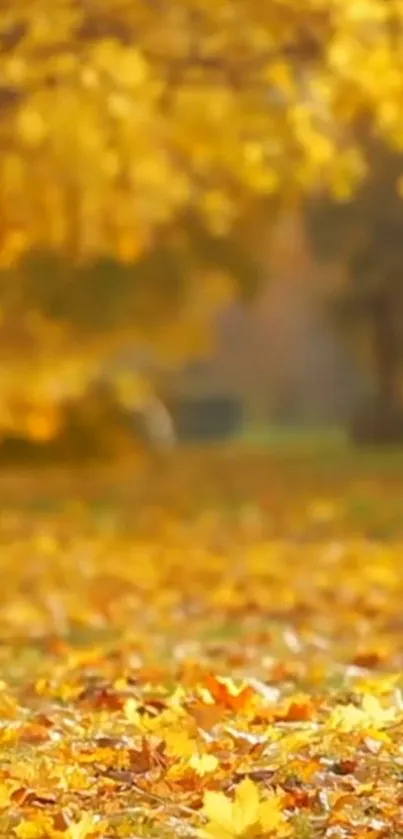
[{"x": 215, "y": 649}]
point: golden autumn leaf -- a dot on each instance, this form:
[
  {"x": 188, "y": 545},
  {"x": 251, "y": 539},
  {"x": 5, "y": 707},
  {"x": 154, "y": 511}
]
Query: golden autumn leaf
[
  {"x": 203, "y": 764},
  {"x": 88, "y": 825},
  {"x": 34, "y": 828},
  {"x": 6, "y": 792},
  {"x": 371, "y": 714},
  {"x": 180, "y": 744},
  {"x": 246, "y": 816},
  {"x": 224, "y": 691}
]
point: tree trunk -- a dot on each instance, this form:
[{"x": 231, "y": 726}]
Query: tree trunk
[
  {"x": 380, "y": 421},
  {"x": 385, "y": 353}
]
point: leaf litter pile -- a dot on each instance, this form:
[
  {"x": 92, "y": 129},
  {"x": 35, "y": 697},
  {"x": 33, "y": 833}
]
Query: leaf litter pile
[{"x": 219, "y": 654}]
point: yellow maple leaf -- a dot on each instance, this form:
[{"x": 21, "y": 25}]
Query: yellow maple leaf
[
  {"x": 371, "y": 714},
  {"x": 246, "y": 816},
  {"x": 88, "y": 824},
  {"x": 179, "y": 744},
  {"x": 203, "y": 764},
  {"x": 219, "y": 811},
  {"x": 6, "y": 791},
  {"x": 34, "y": 828},
  {"x": 131, "y": 709}
]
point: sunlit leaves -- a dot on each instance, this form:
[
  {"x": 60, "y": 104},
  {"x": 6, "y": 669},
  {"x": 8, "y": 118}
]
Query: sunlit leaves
[
  {"x": 88, "y": 827},
  {"x": 136, "y": 702},
  {"x": 120, "y": 122},
  {"x": 203, "y": 764},
  {"x": 371, "y": 714},
  {"x": 171, "y": 102}
]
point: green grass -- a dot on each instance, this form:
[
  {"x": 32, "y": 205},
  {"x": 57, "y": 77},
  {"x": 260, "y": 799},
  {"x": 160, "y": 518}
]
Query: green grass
[
  {"x": 292, "y": 437},
  {"x": 326, "y": 445}
]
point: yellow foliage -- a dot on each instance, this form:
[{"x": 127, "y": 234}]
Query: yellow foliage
[
  {"x": 118, "y": 120},
  {"x": 182, "y": 104}
]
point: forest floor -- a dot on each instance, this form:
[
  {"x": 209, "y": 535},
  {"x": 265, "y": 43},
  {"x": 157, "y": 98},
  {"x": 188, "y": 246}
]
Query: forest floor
[{"x": 213, "y": 647}]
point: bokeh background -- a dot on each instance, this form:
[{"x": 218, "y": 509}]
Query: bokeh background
[{"x": 200, "y": 224}]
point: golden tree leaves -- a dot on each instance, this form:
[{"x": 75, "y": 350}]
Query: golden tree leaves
[
  {"x": 120, "y": 122},
  {"x": 171, "y": 102}
]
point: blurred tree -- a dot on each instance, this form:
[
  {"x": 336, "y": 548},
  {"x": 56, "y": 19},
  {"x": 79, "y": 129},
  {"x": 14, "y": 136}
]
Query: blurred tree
[
  {"x": 73, "y": 324},
  {"x": 366, "y": 235},
  {"x": 138, "y": 131},
  {"x": 118, "y": 115}
]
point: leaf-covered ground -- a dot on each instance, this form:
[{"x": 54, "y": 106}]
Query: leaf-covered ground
[{"x": 213, "y": 650}]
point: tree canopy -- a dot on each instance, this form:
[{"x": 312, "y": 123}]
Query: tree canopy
[
  {"x": 134, "y": 138},
  {"x": 119, "y": 115}
]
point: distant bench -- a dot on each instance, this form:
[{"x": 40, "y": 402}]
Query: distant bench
[{"x": 206, "y": 418}]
